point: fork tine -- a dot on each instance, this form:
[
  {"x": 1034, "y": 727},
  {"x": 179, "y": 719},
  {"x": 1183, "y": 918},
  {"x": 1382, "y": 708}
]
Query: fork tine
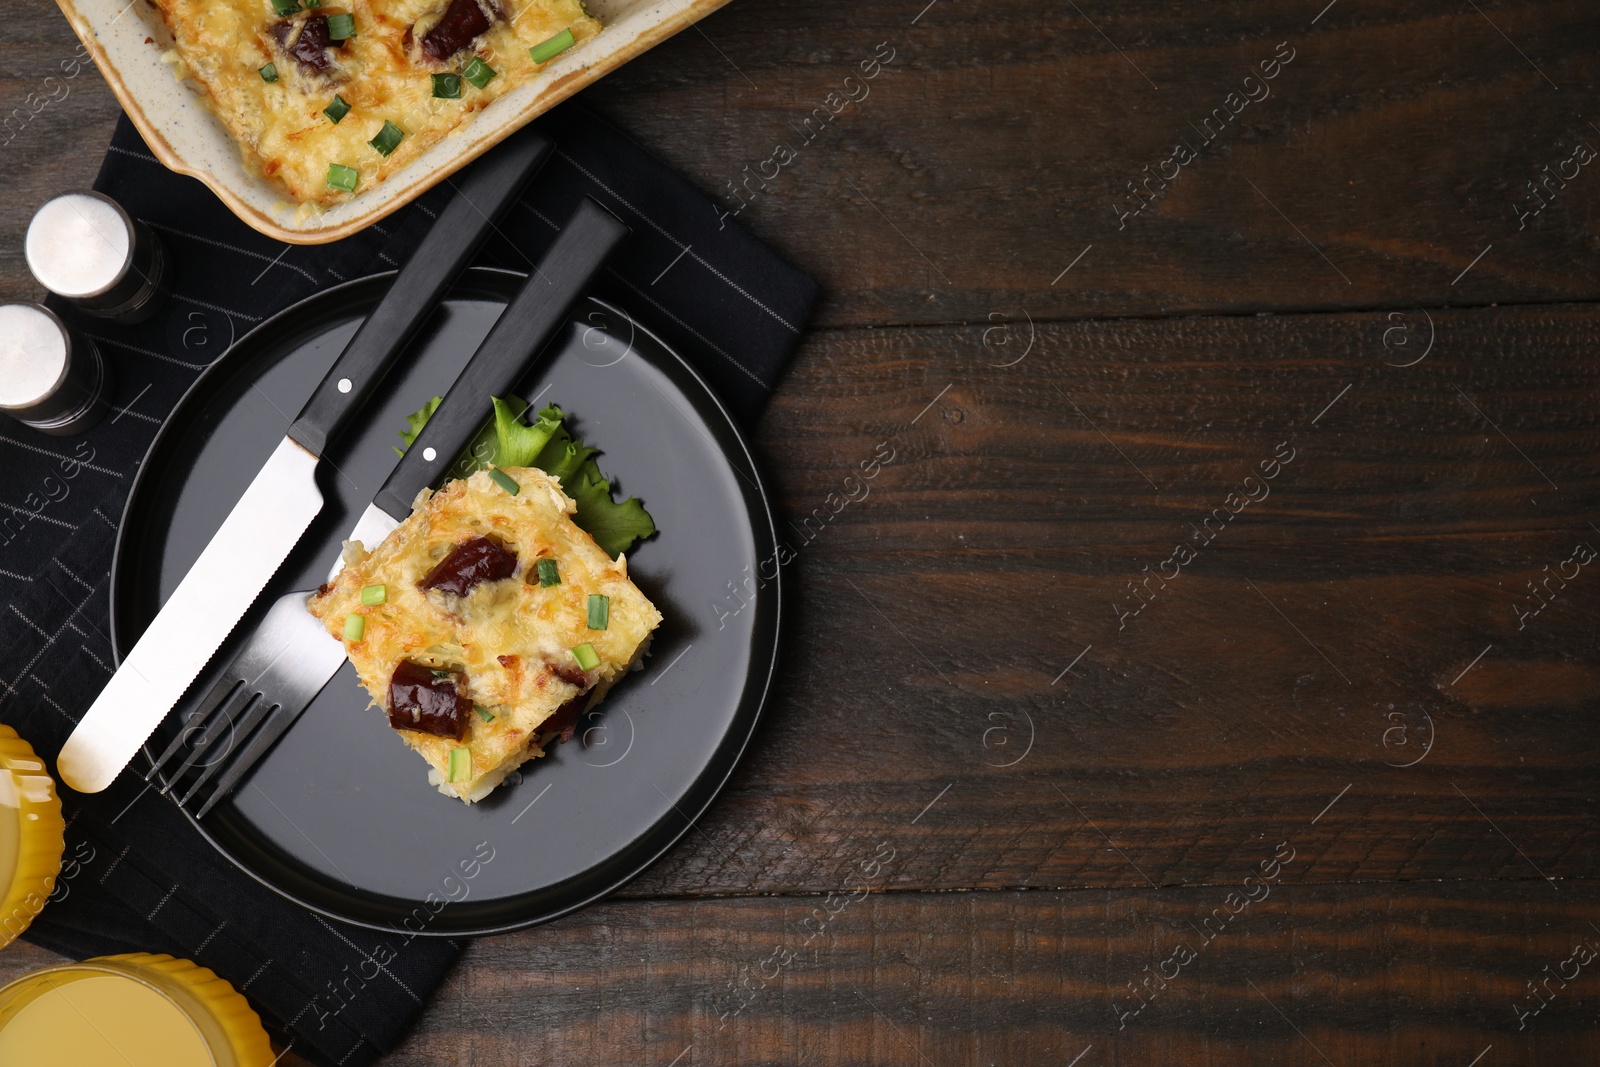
[
  {"x": 273, "y": 677},
  {"x": 226, "y": 715},
  {"x": 279, "y": 719},
  {"x": 250, "y": 666},
  {"x": 256, "y": 710},
  {"x": 196, "y": 720},
  {"x": 312, "y": 658}
]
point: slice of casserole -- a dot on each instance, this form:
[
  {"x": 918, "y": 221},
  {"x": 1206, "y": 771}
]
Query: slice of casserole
[
  {"x": 486, "y": 623},
  {"x": 332, "y": 98}
]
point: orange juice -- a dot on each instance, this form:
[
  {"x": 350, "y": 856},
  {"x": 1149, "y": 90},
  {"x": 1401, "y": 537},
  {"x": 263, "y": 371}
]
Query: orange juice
[
  {"x": 102, "y": 1019},
  {"x": 134, "y": 1010}
]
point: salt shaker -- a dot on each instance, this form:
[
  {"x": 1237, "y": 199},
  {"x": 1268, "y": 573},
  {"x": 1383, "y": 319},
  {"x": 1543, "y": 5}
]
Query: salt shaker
[
  {"x": 51, "y": 377},
  {"x": 85, "y": 248}
]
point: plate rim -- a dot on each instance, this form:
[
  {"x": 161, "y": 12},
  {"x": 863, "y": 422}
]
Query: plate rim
[{"x": 708, "y": 781}]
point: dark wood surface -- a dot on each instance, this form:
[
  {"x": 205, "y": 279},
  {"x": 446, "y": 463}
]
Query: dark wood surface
[{"x": 1060, "y": 793}]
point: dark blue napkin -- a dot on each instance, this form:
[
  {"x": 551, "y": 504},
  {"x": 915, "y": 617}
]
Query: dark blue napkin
[{"x": 136, "y": 875}]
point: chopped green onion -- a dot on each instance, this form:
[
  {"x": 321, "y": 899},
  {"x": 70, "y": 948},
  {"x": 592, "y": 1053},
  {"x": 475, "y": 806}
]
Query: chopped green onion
[
  {"x": 338, "y": 109},
  {"x": 373, "y": 595},
  {"x": 342, "y": 177},
  {"x": 286, "y": 7},
  {"x": 437, "y": 673},
  {"x": 548, "y": 572},
  {"x": 586, "y": 656},
  {"x": 315, "y": 3},
  {"x": 447, "y": 86},
  {"x": 355, "y": 627},
  {"x": 460, "y": 763},
  {"x": 504, "y": 481},
  {"x": 341, "y": 26},
  {"x": 599, "y": 611},
  {"x": 269, "y": 73},
  {"x": 548, "y": 50},
  {"x": 478, "y": 72},
  {"x": 483, "y": 713},
  {"x": 388, "y": 138}
]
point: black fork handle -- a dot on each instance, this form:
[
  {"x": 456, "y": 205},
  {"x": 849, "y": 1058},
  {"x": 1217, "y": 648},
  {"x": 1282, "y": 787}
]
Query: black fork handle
[
  {"x": 541, "y": 307},
  {"x": 482, "y": 194}
]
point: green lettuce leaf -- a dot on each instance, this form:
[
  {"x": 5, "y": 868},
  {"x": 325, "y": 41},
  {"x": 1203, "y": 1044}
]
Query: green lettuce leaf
[
  {"x": 517, "y": 443},
  {"x": 548, "y": 445},
  {"x": 614, "y": 526},
  {"x": 415, "y": 421},
  {"x": 564, "y": 458}
]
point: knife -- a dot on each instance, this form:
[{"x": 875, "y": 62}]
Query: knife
[
  {"x": 540, "y": 307},
  {"x": 290, "y": 657},
  {"x": 282, "y": 500}
]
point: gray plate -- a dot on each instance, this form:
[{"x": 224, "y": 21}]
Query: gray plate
[{"x": 340, "y": 816}]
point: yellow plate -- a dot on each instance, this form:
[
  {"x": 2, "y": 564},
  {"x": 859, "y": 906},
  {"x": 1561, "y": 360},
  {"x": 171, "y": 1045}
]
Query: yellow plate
[
  {"x": 138, "y": 1010},
  {"x": 30, "y": 835}
]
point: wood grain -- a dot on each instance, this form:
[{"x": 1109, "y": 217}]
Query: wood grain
[
  {"x": 1350, "y": 664},
  {"x": 1353, "y": 973},
  {"x": 1036, "y": 977},
  {"x": 1320, "y": 640},
  {"x": 988, "y": 153}
]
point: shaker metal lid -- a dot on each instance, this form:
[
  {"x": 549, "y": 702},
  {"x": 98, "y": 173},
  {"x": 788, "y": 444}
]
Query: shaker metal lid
[
  {"x": 80, "y": 245},
  {"x": 33, "y": 355}
]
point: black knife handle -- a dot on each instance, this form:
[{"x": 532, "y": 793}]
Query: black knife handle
[
  {"x": 541, "y": 308},
  {"x": 482, "y": 194}
]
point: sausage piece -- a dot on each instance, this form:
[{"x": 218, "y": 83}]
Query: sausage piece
[
  {"x": 306, "y": 41},
  {"x": 462, "y": 21},
  {"x": 476, "y": 560},
  {"x": 564, "y": 721},
  {"x": 428, "y": 700}
]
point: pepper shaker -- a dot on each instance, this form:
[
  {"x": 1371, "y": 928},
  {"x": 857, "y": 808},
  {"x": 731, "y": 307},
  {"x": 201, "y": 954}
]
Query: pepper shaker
[
  {"x": 85, "y": 248},
  {"x": 51, "y": 377}
]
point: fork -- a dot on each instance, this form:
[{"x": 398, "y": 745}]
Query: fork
[
  {"x": 290, "y": 657},
  {"x": 278, "y": 672}
]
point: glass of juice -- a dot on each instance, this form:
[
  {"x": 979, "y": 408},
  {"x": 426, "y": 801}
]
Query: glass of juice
[
  {"x": 30, "y": 835},
  {"x": 133, "y": 1010}
]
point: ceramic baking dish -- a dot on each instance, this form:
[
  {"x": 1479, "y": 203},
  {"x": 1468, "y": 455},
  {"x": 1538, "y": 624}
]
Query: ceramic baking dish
[{"x": 128, "y": 42}]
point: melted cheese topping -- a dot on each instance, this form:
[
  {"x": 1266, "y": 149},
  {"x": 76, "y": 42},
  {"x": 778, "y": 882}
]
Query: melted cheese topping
[
  {"x": 513, "y": 638},
  {"x": 380, "y": 73}
]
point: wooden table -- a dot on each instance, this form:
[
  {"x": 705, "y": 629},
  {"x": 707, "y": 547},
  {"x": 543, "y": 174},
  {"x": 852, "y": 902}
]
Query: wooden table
[{"x": 1210, "y": 676}]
